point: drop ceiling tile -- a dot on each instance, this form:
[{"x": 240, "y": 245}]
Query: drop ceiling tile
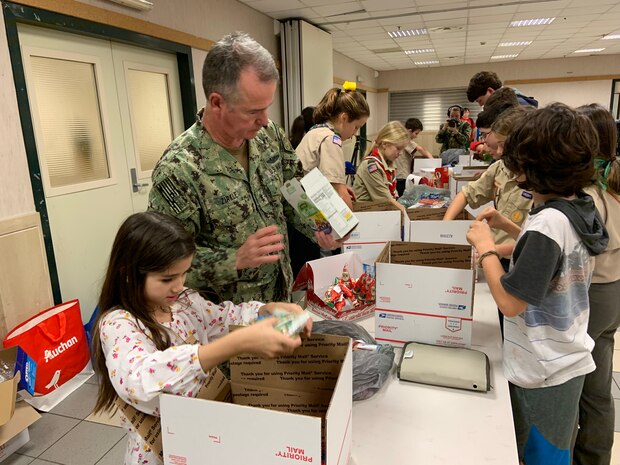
[
  {"x": 445, "y": 15},
  {"x": 337, "y": 8},
  {"x": 491, "y": 21},
  {"x": 441, "y": 3},
  {"x": 494, "y": 10},
  {"x": 268, "y": 6},
  {"x": 305, "y": 13},
  {"x": 313, "y": 3},
  {"x": 380, "y": 5}
]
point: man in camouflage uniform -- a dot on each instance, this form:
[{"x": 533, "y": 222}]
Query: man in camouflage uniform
[{"x": 221, "y": 178}]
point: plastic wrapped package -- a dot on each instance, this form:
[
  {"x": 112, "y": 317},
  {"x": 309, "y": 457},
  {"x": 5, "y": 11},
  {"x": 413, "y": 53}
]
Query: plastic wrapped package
[
  {"x": 425, "y": 196},
  {"x": 372, "y": 362}
]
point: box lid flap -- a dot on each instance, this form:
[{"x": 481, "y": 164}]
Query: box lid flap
[
  {"x": 374, "y": 206},
  {"x": 24, "y": 416}
]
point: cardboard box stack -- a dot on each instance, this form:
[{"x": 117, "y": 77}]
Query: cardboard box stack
[
  {"x": 15, "y": 419},
  {"x": 437, "y": 263},
  {"x": 379, "y": 222},
  {"x": 425, "y": 293},
  {"x": 294, "y": 409}
]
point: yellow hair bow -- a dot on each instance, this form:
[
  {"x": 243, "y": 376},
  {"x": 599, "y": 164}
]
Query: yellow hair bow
[{"x": 349, "y": 86}]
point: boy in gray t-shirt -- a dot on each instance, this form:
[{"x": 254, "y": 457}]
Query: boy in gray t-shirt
[{"x": 544, "y": 295}]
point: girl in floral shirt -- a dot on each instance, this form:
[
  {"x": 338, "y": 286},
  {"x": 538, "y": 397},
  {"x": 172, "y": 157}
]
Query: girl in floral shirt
[{"x": 147, "y": 316}]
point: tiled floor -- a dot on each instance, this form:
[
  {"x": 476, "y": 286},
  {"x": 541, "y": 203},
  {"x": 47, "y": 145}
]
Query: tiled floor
[{"x": 70, "y": 435}]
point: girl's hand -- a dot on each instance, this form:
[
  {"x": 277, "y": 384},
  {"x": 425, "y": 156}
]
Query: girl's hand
[
  {"x": 263, "y": 340},
  {"x": 291, "y": 308},
  {"x": 480, "y": 236}
]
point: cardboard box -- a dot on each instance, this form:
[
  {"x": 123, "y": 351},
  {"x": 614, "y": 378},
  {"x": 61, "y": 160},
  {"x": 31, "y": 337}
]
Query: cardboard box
[
  {"x": 15, "y": 419},
  {"x": 425, "y": 293},
  {"x": 427, "y": 225},
  {"x": 24, "y": 377},
  {"x": 379, "y": 222},
  {"x": 315, "y": 199},
  {"x": 294, "y": 409},
  {"x": 421, "y": 163},
  {"x": 464, "y": 160},
  {"x": 14, "y": 434},
  {"x": 317, "y": 276}
]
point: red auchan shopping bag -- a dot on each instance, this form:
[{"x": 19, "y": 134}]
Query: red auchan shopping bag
[{"x": 56, "y": 341}]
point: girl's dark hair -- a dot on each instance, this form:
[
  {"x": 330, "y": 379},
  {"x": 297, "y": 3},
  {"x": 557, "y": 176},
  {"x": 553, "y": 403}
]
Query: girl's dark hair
[
  {"x": 146, "y": 242},
  {"x": 554, "y": 148},
  {"x": 337, "y": 101},
  {"x": 607, "y": 163},
  {"x": 301, "y": 125}
]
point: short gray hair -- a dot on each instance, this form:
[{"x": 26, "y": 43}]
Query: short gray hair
[{"x": 231, "y": 55}]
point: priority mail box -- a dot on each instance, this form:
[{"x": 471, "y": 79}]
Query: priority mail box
[
  {"x": 427, "y": 225},
  {"x": 317, "y": 201},
  {"x": 294, "y": 409},
  {"x": 379, "y": 222},
  {"x": 424, "y": 294},
  {"x": 420, "y": 164},
  {"x": 317, "y": 276}
]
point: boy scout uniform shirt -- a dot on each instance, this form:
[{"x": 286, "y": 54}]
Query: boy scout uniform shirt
[
  {"x": 220, "y": 204},
  {"x": 497, "y": 184},
  {"x": 404, "y": 163},
  {"x": 371, "y": 182},
  {"x": 321, "y": 148}
]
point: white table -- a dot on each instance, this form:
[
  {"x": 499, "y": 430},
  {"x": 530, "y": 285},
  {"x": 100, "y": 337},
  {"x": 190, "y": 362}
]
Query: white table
[{"x": 414, "y": 424}]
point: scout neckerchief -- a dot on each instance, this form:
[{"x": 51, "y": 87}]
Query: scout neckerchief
[
  {"x": 335, "y": 138},
  {"x": 389, "y": 173}
]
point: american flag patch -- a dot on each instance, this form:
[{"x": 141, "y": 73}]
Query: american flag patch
[
  {"x": 372, "y": 167},
  {"x": 337, "y": 140}
]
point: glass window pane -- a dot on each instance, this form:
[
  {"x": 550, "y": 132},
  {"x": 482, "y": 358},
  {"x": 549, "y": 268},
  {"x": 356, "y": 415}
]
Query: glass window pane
[
  {"x": 150, "y": 113},
  {"x": 71, "y": 135}
]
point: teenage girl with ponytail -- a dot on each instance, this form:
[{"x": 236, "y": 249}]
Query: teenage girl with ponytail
[{"x": 337, "y": 117}]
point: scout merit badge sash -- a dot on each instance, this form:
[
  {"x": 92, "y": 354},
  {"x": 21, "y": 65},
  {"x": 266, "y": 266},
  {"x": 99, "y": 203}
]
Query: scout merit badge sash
[
  {"x": 216, "y": 388},
  {"x": 390, "y": 174}
]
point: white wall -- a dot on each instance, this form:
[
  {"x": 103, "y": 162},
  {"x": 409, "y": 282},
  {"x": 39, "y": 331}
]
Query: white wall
[
  {"x": 571, "y": 93},
  {"x": 316, "y": 63},
  {"x": 458, "y": 76},
  {"x": 15, "y": 191},
  {"x": 210, "y": 19}
]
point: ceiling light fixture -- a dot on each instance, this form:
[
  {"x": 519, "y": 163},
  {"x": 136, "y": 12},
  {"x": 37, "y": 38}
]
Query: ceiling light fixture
[
  {"x": 611, "y": 36},
  {"x": 589, "y": 50},
  {"x": 515, "y": 44},
  {"x": 419, "y": 50},
  {"x": 501, "y": 57},
  {"x": 137, "y": 4},
  {"x": 432, "y": 62},
  {"x": 407, "y": 33},
  {"x": 532, "y": 22}
]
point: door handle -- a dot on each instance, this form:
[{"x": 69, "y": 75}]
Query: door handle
[{"x": 135, "y": 185}]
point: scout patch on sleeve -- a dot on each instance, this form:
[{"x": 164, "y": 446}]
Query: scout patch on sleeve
[
  {"x": 173, "y": 195},
  {"x": 372, "y": 167},
  {"x": 337, "y": 140},
  {"x": 516, "y": 217},
  {"x": 527, "y": 195}
]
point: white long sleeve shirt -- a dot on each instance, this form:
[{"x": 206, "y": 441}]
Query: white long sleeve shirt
[{"x": 140, "y": 373}]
